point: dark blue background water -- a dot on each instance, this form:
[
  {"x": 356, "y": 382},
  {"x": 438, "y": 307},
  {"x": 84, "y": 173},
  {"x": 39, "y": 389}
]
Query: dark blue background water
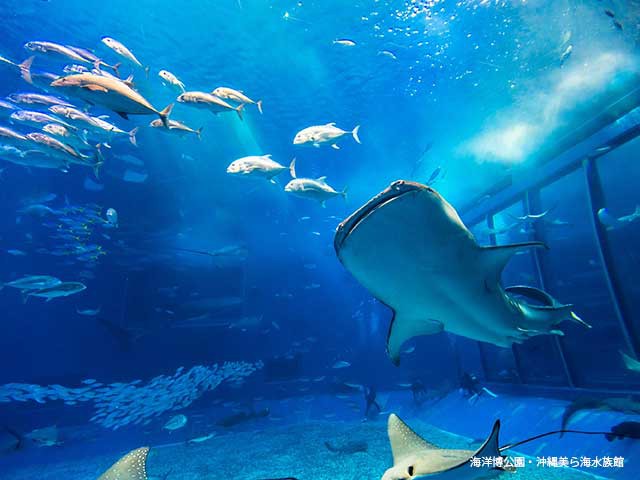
[{"x": 459, "y": 72}]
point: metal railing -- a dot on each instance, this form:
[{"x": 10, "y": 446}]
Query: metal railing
[{"x": 525, "y": 190}]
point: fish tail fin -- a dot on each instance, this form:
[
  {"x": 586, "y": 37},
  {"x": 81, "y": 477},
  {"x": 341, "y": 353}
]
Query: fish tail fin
[
  {"x": 25, "y": 70},
  {"x": 199, "y": 133},
  {"x": 16, "y": 435},
  {"x": 355, "y": 134},
  {"x": 1, "y": 286},
  {"x": 99, "y": 161},
  {"x": 239, "y": 109},
  {"x": 259, "y": 105},
  {"x": 164, "y": 114},
  {"x": 132, "y": 136},
  {"x": 292, "y": 168},
  {"x": 115, "y": 68},
  {"x": 25, "y": 297},
  {"x": 343, "y": 193},
  {"x": 82, "y": 135}
]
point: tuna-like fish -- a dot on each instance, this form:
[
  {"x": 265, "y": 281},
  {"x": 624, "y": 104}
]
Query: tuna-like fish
[
  {"x": 410, "y": 249},
  {"x": 48, "y": 144},
  {"x": 324, "y": 134},
  {"x": 33, "y": 282},
  {"x": 35, "y": 118},
  {"x": 316, "y": 189},
  {"x": 63, "y": 289},
  {"x": 89, "y": 56},
  {"x": 171, "y": 79},
  {"x": 257, "y": 166},
  {"x": 8, "y": 135},
  {"x": 111, "y": 93},
  {"x": 207, "y": 101},
  {"x": 50, "y": 47},
  {"x": 121, "y": 50},
  {"x": 37, "y": 98},
  {"x": 176, "y": 127},
  {"x": 237, "y": 96},
  {"x": 69, "y": 137}
]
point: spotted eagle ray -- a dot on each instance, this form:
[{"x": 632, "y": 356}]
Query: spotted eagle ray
[
  {"x": 410, "y": 249},
  {"x": 133, "y": 466},
  {"x": 414, "y": 457}
]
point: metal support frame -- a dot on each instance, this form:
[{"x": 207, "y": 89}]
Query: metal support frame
[
  {"x": 595, "y": 195},
  {"x": 532, "y": 204},
  {"x": 516, "y": 359},
  {"x": 581, "y": 155}
]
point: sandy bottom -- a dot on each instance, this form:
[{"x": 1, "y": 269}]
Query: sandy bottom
[{"x": 273, "y": 452}]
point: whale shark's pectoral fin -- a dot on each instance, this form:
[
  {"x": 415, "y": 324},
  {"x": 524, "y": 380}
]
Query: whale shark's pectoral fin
[
  {"x": 495, "y": 258},
  {"x": 133, "y": 466},
  {"x": 403, "y": 327}
]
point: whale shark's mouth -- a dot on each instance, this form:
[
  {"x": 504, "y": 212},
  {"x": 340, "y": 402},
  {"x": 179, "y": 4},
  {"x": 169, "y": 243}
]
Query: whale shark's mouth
[{"x": 394, "y": 191}]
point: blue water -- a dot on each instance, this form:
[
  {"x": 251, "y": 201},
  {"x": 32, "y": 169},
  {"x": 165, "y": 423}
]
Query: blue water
[{"x": 475, "y": 98}]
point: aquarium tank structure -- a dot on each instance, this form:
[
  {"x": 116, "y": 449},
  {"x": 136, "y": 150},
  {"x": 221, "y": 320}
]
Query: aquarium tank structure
[{"x": 320, "y": 239}]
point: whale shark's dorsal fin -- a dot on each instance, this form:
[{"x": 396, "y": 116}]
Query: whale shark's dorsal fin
[
  {"x": 404, "y": 441},
  {"x": 496, "y": 257},
  {"x": 133, "y": 466}
]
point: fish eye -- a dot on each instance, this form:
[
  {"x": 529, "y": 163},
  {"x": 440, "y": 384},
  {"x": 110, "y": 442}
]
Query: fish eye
[{"x": 410, "y": 470}]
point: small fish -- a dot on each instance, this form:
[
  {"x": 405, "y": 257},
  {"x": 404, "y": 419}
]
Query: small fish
[
  {"x": 89, "y": 312},
  {"x": 566, "y": 54},
  {"x": 227, "y": 93},
  {"x": 174, "y": 126},
  {"x": 121, "y": 50},
  {"x": 16, "y": 253},
  {"x": 32, "y": 282},
  {"x": 201, "y": 439},
  {"x": 340, "y": 364},
  {"x": 171, "y": 79},
  {"x": 176, "y": 423},
  {"x": 388, "y": 54},
  {"x": 63, "y": 289},
  {"x": 434, "y": 176},
  {"x": 207, "y": 101},
  {"x": 345, "y": 42},
  {"x": 112, "y": 217}
]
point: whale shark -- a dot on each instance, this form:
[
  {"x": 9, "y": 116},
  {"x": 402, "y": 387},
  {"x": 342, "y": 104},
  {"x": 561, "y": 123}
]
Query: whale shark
[
  {"x": 410, "y": 249},
  {"x": 414, "y": 457},
  {"x": 133, "y": 466}
]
